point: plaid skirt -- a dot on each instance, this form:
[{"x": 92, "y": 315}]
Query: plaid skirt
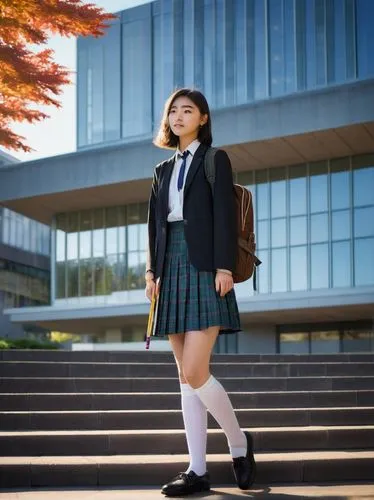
[{"x": 188, "y": 298}]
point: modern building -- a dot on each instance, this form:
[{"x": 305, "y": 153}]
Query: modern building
[
  {"x": 291, "y": 87},
  {"x": 24, "y": 264}
]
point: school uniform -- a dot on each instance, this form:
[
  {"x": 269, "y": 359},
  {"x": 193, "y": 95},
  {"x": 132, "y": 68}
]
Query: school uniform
[{"x": 191, "y": 235}]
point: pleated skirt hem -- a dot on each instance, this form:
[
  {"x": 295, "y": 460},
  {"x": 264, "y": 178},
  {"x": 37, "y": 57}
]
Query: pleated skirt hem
[{"x": 188, "y": 300}]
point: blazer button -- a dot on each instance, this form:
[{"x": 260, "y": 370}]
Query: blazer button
[
  {"x": 164, "y": 229},
  {"x": 185, "y": 221}
]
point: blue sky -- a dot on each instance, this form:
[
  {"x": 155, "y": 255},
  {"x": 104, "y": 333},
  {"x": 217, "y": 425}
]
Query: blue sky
[{"x": 57, "y": 134}]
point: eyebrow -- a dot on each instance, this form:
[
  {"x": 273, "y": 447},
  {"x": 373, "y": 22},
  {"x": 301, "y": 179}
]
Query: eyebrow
[{"x": 183, "y": 106}]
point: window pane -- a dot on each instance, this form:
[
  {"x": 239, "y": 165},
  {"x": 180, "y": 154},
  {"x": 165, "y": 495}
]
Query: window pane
[
  {"x": 132, "y": 238},
  {"x": 72, "y": 246},
  {"x": 60, "y": 245},
  {"x": 340, "y": 190},
  {"x": 263, "y": 271},
  {"x": 86, "y": 278},
  {"x": 341, "y": 264},
  {"x": 325, "y": 342},
  {"x": 99, "y": 285},
  {"x": 137, "y": 90},
  {"x": 363, "y": 182},
  {"x": 111, "y": 240},
  {"x": 320, "y": 41},
  {"x": 263, "y": 234},
  {"x": 319, "y": 266},
  {"x": 111, "y": 278},
  {"x": 73, "y": 278},
  {"x": 365, "y": 37},
  {"x": 133, "y": 275},
  {"x": 260, "y": 30},
  {"x": 276, "y": 32},
  {"x": 262, "y": 198},
  {"x": 294, "y": 343},
  {"x": 364, "y": 261},
  {"x": 319, "y": 228},
  {"x": 358, "y": 340},
  {"x": 363, "y": 222},
  {"x": 318, "y": 193},
  {"x": 298, "y": 268},
  {"x": 297, "y": 196},
  {"x": 278, "y": 199},
  {"x": 289, "y": 33},
  {"x": 297, "y": 230},
  {"x": 278, "y": 233},
  {"x": 278, "y": 270},
  {"x": 98, "y": 233},
  {"x": 143, "y": 236},
  {"x": 340, "y": 225},
  {"x": 60, "y": 280}
]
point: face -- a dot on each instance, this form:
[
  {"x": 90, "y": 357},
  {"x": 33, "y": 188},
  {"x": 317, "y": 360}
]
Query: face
[{"x": 185, "y": 118}]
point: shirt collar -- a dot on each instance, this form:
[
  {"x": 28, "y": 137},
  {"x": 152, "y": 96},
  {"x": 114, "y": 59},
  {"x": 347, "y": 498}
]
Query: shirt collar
[{"x": 192, "y": 148}]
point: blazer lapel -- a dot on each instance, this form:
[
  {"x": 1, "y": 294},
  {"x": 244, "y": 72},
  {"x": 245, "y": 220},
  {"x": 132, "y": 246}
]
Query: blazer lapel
[
  {"x": 194, "y": 167},
  {"x": 164, "y": 187}
]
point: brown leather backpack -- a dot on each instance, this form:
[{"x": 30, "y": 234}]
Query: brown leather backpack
[{"x": 246, "y": 260}]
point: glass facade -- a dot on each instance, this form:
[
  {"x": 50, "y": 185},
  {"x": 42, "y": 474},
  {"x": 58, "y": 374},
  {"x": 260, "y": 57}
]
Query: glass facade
[
  {"x": 315, "y": 224},
  {"x": 235, "y": 51},
  {"x": 314, "y": 230},
  {"x": 101, "y": 251},
  {"x": 23, "y": 285},
  {"x": 326, "y": 338},
  {"x": 24, "y": 233}
]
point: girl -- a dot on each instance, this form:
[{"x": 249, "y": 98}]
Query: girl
[{"x": 191, "y": 255}]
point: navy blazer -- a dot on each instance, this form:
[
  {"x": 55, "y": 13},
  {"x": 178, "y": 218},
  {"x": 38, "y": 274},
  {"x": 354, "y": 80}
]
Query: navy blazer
[{"x": 209, "y": 224}]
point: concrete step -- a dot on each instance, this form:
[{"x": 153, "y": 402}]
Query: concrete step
[
  {"x": 171, "y": 401},
  {"x": 154, "y": 356},
  {"x": 60, "y": 369},
  {"x": 342, "y": 491},
  {"x": 295, "y": 467},
  {"x": 171, "y": 384},
  {"x": 172, "y": 419},
  {"x": 130, "y": 442}
]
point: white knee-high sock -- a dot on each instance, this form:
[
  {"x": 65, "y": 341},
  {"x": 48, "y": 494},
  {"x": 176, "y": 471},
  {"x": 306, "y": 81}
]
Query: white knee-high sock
[
  {"x": 215, "y": 398},
  {"x": 195, "y": 417}
]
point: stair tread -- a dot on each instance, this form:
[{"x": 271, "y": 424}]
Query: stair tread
[
  {"x": 89, "y": 432},
  {"x": 157, "y": 459},
  {"x": 307, "y": 377},
  {"x": 172, "y": 363},
  {"x": 102, "y": 394},
  {"x": 237, "y": 410}
]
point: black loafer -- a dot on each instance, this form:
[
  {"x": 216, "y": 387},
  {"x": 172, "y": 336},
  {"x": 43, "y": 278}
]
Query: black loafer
[
  {"x": 245, "y": 467},
  {"x": 185, "y": 484}
]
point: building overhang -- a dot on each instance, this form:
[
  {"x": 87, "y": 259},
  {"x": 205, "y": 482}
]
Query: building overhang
[
  {"x": 280, "y": 308},
  {"x": 302, "y": 127}
]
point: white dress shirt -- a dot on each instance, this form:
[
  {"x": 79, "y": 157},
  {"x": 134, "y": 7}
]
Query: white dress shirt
[{"x": 175, "y": 196}]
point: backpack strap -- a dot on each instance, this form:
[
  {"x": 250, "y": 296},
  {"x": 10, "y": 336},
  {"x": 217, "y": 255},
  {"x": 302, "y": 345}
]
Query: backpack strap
[{"x": 210, "y": 167}]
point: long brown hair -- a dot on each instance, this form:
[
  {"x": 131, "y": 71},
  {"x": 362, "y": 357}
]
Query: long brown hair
[{"x": 165, "y": 137}]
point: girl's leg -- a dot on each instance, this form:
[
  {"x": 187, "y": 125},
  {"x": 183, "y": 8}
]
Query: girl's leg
[
  {"x": 194, "y": 413},
  {"x": 197, "y": 351}
]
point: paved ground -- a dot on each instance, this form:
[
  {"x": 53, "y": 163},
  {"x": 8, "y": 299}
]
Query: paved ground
[{"x": 325, "y": 491}]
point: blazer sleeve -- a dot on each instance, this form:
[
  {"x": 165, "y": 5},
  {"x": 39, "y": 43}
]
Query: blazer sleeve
[
  {"x": 224, "y": 216},
  {"x": 151, "y": 249}
]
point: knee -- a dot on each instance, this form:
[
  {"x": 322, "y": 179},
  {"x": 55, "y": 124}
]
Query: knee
[{"x": 194, "y": 375}]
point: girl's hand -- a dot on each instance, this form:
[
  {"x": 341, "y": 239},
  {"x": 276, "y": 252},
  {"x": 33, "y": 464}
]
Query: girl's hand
[
  {"x": 224, "y": 283},
  {"x": 151, "y": 287}
]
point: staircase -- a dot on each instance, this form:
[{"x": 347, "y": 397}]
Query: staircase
[{"x": 113, "y": 418}]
